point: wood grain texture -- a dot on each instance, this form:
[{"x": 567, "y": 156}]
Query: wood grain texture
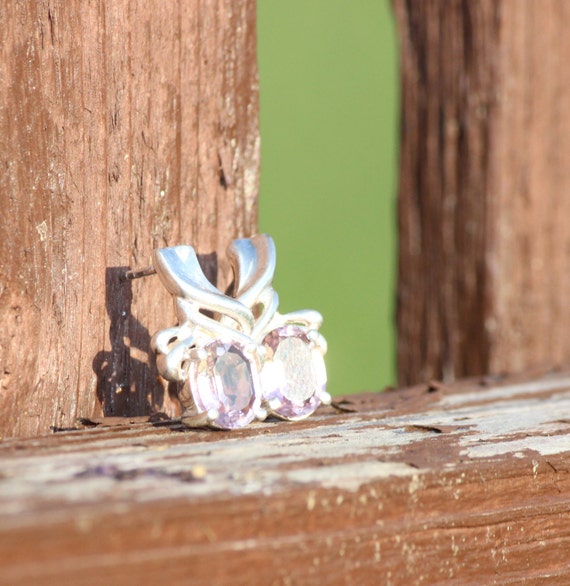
[
  {"x": 465, "y": 484},
  {"x": 484, "y": 265},
  {"x": 124, "y": 126}
]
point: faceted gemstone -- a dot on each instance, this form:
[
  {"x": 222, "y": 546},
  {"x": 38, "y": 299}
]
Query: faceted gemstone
[
  {"x": 225, "y": 381},
  {"x": 294, "y": 374}
]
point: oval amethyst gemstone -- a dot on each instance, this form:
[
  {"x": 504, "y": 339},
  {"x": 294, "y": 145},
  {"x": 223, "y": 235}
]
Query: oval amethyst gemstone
[
  {"x": 225, "y": 382},
  {"x": 294, "y": 374}
]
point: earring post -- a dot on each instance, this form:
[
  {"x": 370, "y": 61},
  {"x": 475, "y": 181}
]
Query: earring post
[{"x": 138, "y": 273}]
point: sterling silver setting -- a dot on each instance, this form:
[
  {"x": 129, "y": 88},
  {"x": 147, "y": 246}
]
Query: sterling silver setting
[
  {"x": 254, "y": 261},
  {"x": 235, "y": 357}
]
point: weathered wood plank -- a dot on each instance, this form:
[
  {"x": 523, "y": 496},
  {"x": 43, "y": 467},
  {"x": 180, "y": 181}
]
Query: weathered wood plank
[
  {"x": 484, "y": 182},
  {"x": 124, "y": 126},
  {"x": 467, "y": 484}
]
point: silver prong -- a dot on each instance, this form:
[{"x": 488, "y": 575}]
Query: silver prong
[
  {"x": 261, "y": 413},
  {"x": 318, "y": 340},
  {"x": 213, "y": 414},
  {"x": 197, "y": 354},
  {"x": 325, "y": 398},
  {"x": 250, "y": 350},
  {"x": 313, "y": 335},
  {"x": 193, "y": 419},
  {"x": 262, "y": 351},
  {"x": 274, "y": 404},
  {"x": 138, "y": 273}
]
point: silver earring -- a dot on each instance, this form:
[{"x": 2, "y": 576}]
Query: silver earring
[{"x": 235, "y": 356}]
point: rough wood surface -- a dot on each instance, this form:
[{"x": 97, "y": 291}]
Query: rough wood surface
[
  {"x": 484, "y": 273},
  {"x": 467, "y": 484},
  {"x": 124, "y": 126}
]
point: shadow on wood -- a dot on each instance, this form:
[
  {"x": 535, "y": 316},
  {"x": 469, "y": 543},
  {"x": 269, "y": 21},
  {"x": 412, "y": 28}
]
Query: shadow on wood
[
  {"x": 120, "y": 371},
  {"x": 127, "y": 377}
]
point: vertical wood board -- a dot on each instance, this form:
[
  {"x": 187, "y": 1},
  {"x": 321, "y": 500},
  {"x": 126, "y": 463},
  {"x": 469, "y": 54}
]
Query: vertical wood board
[
  {"x": 483, "y": 268},
  {"x": 124, "y": 126}
]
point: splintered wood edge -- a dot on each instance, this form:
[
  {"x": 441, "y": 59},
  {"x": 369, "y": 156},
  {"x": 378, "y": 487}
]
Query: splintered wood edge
[{"x": 378, "y": 488}]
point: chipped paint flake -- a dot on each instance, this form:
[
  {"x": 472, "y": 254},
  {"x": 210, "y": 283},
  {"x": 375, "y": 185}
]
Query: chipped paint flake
[{"x": 42, "y": 229}]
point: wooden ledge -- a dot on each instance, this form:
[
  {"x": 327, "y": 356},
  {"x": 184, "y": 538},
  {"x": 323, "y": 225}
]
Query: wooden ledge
[{"x": 424, "y": 485}]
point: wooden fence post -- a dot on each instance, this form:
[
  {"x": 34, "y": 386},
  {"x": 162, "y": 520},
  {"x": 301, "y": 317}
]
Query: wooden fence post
[
  {"x": 124, "y": 126},
  {"x": 484, "y": 269}
]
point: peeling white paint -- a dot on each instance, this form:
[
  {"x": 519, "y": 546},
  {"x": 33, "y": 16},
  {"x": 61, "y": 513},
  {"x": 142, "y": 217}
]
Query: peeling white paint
[
  {"x": 42, "y": 229},
  {"x": 264, "y": 464},
  {"x": 553, "y": 383},
  {"x": 543, "y": 445}
]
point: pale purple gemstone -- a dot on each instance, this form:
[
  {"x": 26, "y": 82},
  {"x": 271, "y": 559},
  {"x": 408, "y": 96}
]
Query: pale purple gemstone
[
  {"x": 294, "y": 375},
  {"x": 225, "y": 382}
]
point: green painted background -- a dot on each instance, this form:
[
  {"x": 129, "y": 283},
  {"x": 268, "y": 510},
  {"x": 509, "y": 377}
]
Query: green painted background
[{"x": 328, "y": 83}]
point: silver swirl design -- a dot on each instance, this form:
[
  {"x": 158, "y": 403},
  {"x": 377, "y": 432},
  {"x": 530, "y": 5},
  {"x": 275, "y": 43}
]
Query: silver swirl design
[
  {"x": 180, "y": 272},
  {"x": 245, "y": 318},
  {"x": 253, "y": 261}
]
